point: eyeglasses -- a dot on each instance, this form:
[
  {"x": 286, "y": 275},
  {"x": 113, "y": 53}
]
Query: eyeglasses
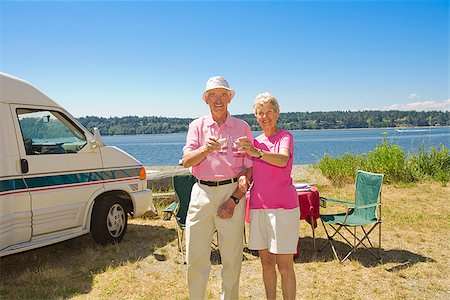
[{"x": 213, "y": 95}]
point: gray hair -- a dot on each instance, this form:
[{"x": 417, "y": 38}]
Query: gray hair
[{"x": 266, "y": 98}]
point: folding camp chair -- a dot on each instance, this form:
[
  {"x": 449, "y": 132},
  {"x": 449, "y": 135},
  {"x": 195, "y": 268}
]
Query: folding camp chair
[
  {"x": 182, "y": 185},
  {"x": 363, "y": 212}
]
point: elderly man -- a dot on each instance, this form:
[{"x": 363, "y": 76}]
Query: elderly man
[{"x": 223, "y": 177}]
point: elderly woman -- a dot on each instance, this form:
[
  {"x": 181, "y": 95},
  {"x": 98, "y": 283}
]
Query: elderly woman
[{"x": 274, "y": 210}]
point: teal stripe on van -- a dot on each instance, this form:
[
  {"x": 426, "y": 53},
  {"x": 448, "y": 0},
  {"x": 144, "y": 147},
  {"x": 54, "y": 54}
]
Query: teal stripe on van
[
  {"x": 12, "y": 185},
  {"x": 56, "y": 180}
]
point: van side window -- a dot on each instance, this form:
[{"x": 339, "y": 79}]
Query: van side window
[{"x": 49, "y": 132}]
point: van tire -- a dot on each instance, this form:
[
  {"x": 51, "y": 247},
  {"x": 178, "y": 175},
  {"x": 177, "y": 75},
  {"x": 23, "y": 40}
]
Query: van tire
[{"x": 108, "y": 221}]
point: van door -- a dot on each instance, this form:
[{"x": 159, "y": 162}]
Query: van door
[
  {"x": 15, "y": 201},
  {"x": 64, "y": 171}
]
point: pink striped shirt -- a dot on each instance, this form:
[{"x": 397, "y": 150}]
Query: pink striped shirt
[{"x": 218, "y": 165}]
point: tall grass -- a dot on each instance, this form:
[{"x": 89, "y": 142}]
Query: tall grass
[{"x": 391, "y": 160}]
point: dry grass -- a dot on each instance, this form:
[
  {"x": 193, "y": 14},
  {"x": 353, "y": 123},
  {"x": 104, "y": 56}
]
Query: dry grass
[{"x": 147, "y": 264}]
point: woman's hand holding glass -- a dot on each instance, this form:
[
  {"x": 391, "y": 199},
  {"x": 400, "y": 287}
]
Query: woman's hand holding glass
[
  {"x": 243, "y": 184},
  {"x": 246, "y": 146}
]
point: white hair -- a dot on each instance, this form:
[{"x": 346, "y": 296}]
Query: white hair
[{"x": 266, "y": 98}]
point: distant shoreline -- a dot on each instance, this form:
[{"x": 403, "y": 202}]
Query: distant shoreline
[
  {"x": 325, "y": 129},
  {"x": 132, "y": 125}
]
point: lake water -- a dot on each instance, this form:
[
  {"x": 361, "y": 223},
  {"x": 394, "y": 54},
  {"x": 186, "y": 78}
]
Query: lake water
[{"x": 309, "y": 145}]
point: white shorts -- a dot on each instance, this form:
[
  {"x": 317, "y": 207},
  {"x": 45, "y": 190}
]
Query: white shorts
[{"x": 275, "y": 230}]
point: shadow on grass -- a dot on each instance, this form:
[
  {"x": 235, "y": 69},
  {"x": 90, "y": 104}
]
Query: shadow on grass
[
  {"x": 68, "y": 268},
  {"x": 404, "y": 258}
]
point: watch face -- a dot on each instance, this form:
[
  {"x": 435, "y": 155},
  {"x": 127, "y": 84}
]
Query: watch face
[{"x": 261, "y": 153}]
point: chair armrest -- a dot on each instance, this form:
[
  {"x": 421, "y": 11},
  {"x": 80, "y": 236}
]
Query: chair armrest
[
  {"x": 336, "y": 201},
  {"x": 364, "y": 206},
  {"x": 171, "y": 208},
  {"x": 169, "y": 211}
]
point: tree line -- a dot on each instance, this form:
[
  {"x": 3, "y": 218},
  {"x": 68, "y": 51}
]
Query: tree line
[{"x": 131, "y": 125}]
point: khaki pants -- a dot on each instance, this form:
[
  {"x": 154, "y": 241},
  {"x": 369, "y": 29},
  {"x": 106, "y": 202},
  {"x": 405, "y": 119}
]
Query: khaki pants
[{"x": 201, "y": 223}]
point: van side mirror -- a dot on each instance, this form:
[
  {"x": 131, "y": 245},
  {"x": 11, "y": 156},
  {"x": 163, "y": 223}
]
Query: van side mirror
[{"x": 97, "y": 137}]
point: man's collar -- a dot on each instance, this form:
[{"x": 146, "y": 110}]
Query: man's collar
[{"x": 229, "y": 122}]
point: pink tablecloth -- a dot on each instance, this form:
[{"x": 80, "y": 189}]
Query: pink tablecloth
[{"x": 309, "y": 205}]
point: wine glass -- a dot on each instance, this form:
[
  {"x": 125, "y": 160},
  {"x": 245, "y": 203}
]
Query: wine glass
[
  {"x": 235, "y": 146},
  {"x": 223, "y": 141}
]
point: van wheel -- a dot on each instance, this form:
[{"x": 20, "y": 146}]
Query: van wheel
[{"x": 108, "y": 221}]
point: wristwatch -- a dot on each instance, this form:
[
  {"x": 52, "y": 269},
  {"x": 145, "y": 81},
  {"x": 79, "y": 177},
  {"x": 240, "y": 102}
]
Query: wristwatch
[
  {"x": 235, "y": 199},
  {"x": 261, "y": 153}
]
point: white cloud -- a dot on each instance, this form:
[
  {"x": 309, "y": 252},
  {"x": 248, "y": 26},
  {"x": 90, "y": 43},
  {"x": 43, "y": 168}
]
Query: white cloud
[{"x": 421, "y": 106}]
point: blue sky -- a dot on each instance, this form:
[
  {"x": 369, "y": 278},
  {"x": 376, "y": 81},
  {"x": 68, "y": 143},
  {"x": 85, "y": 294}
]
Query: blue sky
[{"x": 152, "y": 58}]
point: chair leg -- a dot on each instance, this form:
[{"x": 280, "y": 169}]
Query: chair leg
[
  {"x": 370, "y": 243},
  {"x": 355, "y": 237},
  {"x": 355, "y": 245},
  {"x": 179, "y": 238},
  {"x": 324, "y": 244},
  {"x": 334, "y": 251},
  {"x": 245, "y": 237},
  {"x": 368, "y": 239},
  {"x": 343, "y": 237},
  {"x": 330, "y": 240},
  {"x": 183, "y": 245},
  {"x": 313, "y": 233},
  {"x": 357, "y": 241},
  {"x": 361, "y": 242},
  {"x": 217, "y": 239},
  {"x": 379, "y": 242},
  {"x": 330, "y": 237},
  {"x": 348, "y": 254}
]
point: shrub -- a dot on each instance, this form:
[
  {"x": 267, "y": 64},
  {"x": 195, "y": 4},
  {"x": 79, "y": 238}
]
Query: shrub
[
  {"x": 433, "y": 164},
  {"x": 390, "y": 160},
  {"x": 341, "y": 170}
]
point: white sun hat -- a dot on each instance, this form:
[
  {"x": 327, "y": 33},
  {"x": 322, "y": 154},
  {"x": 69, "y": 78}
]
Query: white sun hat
[{"x": 217, "y": 82}]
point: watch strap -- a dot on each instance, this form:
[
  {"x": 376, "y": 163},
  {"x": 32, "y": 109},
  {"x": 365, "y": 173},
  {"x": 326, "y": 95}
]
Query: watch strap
[
  {"x": 235, "y": 199},
  {"x": 261, "y": 153}
]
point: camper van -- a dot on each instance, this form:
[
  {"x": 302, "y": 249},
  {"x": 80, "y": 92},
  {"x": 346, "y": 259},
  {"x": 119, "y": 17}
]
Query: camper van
[{"x": 57, "y": 180}]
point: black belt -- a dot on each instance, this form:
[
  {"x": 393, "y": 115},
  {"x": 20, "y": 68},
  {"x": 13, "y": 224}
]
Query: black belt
[{"x": 217, "y": 183}]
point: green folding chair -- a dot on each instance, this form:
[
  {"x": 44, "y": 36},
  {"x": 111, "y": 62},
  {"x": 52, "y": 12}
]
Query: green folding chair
[
  {"x": 365, "y": 211},
  {"x": 182, "y": 185}
]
